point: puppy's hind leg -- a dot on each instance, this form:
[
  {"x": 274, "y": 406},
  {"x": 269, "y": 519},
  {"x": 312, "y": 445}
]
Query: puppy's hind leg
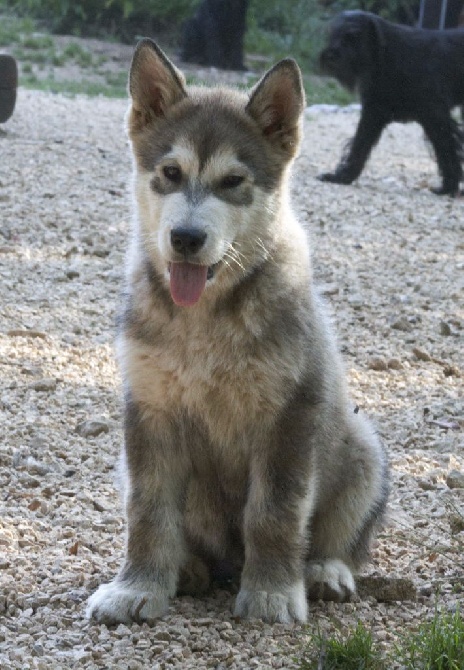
[
  {"x": 370, "y": 127},
  {"x": 351, "y": 510}
]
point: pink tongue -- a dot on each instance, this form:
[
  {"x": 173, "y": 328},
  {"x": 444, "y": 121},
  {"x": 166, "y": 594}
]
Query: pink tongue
[{"x": 187, "y": 283}]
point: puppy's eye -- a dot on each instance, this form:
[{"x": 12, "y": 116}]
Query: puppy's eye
[
  {"x": 232, "y": 181},
  {"x": 172, "y": 173}
]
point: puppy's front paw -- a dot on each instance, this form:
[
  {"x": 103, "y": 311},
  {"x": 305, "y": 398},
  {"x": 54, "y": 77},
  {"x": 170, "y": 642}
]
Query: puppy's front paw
[
  {"x": 284, "y": 606},
  {"x": 117, "y": 602},
  {"x": 329, "y": 580}
]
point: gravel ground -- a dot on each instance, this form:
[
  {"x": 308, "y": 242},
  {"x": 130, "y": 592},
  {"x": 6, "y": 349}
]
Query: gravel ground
[{"x": 389, "y": 257}]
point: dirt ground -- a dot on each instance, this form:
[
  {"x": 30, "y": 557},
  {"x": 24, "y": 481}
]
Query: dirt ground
[{"x": 389, "y": 258}]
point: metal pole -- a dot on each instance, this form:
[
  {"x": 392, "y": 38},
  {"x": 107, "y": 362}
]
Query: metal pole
[
  {"x": 421, "y": 13},
  {"x": 444, "y": 6}
]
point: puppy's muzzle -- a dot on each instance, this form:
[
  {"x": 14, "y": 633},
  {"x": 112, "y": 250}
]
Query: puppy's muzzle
[{"x": 187, "y": 241}]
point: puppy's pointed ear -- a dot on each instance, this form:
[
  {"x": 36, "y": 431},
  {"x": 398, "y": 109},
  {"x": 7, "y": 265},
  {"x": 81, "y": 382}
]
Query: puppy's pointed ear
[
  {"x": 155, "y": 84},
  {"x": 276, "y": 104}
]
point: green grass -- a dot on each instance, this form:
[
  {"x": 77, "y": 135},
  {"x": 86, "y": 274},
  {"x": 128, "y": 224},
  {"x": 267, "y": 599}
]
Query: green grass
[
  {"x": 356, "y": 652},
  {"x": 280, "y": 29},
  {"x": 75, "y": 52},
  {"x": 36, "y": 42},
  {"x": 39, "y": 57},
  {"x": 73, "y": 88},
  {"x": 438, "y": 644},
  {"x": 321, "y": 90},
  {"x": 12, "y": 29},
  {"x": 38, "y": 54},
  {"x": 118, "y": 81}
]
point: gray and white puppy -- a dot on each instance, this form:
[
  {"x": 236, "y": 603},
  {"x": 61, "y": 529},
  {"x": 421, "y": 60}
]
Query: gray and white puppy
[{"x": 242, "y": 452}]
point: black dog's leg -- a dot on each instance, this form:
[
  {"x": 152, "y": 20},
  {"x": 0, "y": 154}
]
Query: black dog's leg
[
  {"x": 368, "y": 132},
  {"x": 193, "y": 43},
  {"x": 214, "y": 48},
  {"x": 447, "y": 138}
]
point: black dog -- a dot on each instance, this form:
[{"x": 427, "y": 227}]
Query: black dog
[
  {"x": 402, "y": 74},
  {"x": 214, "y": 35}
]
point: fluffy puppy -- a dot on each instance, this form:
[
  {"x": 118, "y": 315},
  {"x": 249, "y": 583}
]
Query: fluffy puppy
[
  {"x": 242, "y": 451},
  {"x": 402, "y": 74}
]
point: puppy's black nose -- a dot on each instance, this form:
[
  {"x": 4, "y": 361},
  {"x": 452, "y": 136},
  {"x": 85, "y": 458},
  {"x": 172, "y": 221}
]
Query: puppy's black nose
[{"x": 187, "y": 240}]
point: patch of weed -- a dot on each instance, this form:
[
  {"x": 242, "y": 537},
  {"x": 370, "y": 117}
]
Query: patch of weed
[
  {"x": 41, "y": 57},
  {"x": 37, "y": 42},
  {"x": 58, "y": 60},
  {"x": 117, "y": 80},
  {"x": 81, "y": 56},
  {"x": 437, "y": 645},
  {"x": 355, "y": 652},
  {"x": 73, "y": 87},
  {"x": 12, "y": 29},
  {"x": 320, "y": 90}
]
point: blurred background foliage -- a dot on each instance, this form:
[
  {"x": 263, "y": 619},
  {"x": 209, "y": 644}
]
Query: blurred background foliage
[{"x": 275, "y": 27}]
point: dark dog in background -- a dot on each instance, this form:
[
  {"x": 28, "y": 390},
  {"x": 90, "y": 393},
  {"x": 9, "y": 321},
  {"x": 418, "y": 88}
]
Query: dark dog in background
[
  {"x": 214, "y": 35},
  {"x": 401, "y": 74}
]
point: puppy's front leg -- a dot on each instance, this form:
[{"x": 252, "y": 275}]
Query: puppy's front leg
[
  {"x": 154, "y": 545},
  {"x": 368, "y": 132},
  {"x": 275, "y": 522}
]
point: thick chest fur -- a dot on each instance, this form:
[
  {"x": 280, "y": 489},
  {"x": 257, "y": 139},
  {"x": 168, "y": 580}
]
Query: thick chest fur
[{"x": 230, "y": 372}]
